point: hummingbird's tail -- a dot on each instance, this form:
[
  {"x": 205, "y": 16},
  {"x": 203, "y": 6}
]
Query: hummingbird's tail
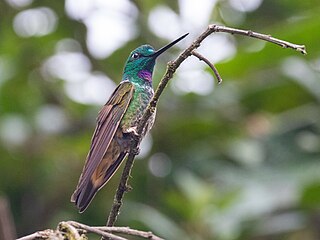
[
  {"x": 82, "y": 197},
  {"x": 86, "y": 191}
]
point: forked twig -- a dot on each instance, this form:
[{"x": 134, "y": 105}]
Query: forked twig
[
  {"x": 213, "y": 68},
  {"x": 121, "y": 230}
]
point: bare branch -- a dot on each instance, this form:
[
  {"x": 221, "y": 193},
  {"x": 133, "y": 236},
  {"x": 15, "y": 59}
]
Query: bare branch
[
  {"x": 74, "y": 230},
  {"x": 213, "y": 68},
  {"x": 96, "y": 230},
  {"x": 122, "y": 188},
  {"x": 264, "y": 37},
  {"x": 121, "y": 230}
]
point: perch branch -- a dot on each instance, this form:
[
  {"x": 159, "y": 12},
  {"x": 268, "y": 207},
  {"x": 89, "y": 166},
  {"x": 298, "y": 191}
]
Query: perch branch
[
  {"x": 213, "y": 68},
  {"x": 75, "y": 231},
  {"x": 121, "y": 230},
  {"x": 171, "y": 69}
]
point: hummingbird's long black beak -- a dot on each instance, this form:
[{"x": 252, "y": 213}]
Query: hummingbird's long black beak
[{"x": 163, "y": 49}]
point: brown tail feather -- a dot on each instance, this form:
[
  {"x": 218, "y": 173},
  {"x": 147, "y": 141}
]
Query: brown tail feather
[
  {"x": 85, "y": 196},
  {"x": 86, "y": 192}
]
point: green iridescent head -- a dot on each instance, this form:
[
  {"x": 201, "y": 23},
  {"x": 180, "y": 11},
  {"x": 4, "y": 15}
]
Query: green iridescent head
[
  {"x": 140, "y": 59},
  {"x": 140, "y": 63}
]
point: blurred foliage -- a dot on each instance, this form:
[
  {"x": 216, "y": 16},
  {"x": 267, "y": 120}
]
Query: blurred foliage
[{"x": 241, "y": 162}]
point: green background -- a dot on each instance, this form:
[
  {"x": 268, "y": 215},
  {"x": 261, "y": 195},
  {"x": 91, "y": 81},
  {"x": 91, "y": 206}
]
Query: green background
[{"x": 238, "y": 162}]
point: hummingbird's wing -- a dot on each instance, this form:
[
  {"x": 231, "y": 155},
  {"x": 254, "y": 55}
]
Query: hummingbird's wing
[{"x": 108, "y": 121}]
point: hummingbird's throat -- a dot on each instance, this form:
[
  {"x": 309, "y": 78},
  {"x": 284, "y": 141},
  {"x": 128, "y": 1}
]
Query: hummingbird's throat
[{"x": 145, "y": 75}]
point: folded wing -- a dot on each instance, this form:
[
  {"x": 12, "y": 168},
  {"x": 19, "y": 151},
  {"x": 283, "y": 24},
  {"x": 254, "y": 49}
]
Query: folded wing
[{"x": 108, "y": 122}]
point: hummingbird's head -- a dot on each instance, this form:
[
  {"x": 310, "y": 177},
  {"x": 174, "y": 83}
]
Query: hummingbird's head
[{"x": 141, "y": 61}]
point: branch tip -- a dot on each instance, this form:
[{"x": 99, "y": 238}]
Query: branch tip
[
  {"x": 211, "y": 65},
  {"x": 302, "y": 49}
]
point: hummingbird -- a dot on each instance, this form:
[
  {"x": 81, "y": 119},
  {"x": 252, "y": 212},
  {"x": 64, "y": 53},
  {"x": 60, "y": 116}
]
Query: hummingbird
[{"x": 117, "y": 121}]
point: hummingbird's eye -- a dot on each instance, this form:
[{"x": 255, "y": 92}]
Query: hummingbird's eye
[{"x": 135, "y": 55}]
